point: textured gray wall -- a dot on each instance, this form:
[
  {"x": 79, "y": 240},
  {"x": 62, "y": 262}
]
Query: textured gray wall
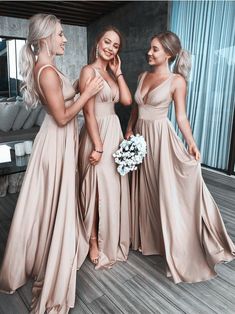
[
  {"x": 138, "y": 21},
  {"x": 13, "y": 27},
  {"x": 75, "y": 56},
  {"x": 76, "y": 48}
]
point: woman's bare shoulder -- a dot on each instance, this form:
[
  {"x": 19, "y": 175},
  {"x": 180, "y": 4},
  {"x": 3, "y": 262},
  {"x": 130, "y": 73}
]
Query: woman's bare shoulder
[
  {"x": 88, "y": 70},
  {"x": 179, "y": 81}
]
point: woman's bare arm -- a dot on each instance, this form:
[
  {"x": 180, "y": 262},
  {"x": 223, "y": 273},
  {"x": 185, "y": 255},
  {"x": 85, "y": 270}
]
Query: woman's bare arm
[
  {"x": 87, "y": 73},
  {"x": 132, "y": 121},
  {"x": 124, "y": 92},
  {"x": 50, "y": 84},
  {"x": 179, "y": 97}
]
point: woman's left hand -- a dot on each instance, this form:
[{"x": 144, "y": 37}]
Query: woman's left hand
[
  {"x": 115, "y": 65},
  {"x": 193, "y": 150},
  {"x": 94, "y": 157},
  {"x": 128, "y": 134}
]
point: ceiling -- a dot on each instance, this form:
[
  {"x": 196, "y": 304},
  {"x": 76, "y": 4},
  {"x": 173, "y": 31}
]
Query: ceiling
[{"x": 81, "y": 13}]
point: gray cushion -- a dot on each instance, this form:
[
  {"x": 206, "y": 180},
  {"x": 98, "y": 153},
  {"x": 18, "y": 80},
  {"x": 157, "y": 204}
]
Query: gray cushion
[
  {"x": 81, "y": 120},
  {"x": 3, "y": 99},
  {"x": 11, "y": 99},
  {"x": 31, "y": 120},
  {"x": 21, "y": 116},
  {"x": 40, "y": 117},
  {"x": 8, "y": 113}
]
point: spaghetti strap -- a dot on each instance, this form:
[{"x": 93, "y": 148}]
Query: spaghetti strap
[
  {"x": 141, "y": 77},
  {"x": 38, "y": 76},
  {"x": 95, "y": 70}
]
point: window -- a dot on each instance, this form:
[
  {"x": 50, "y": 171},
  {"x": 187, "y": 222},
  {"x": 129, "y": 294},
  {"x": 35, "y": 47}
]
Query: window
[
  {"x": 206, "y": 29},
  {"x": 9, "y": 66}
]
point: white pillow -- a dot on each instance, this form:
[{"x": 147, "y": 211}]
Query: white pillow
[
  {"x": 31, "y": 120},
  {"x": 21, "y": 116},
  {"x": 8, "y": 113}
]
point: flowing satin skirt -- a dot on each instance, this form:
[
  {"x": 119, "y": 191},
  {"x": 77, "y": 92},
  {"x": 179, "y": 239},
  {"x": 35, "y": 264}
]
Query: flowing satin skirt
[
  {"x": 103, "y": 183},
  {"x": 173, "y": 213},
  {"x": 47, "y": 240}
]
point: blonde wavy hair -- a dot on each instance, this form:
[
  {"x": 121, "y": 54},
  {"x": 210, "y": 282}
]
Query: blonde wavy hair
[
  {"x": 172, "y": 45},
  {"x": 41, "y": 26}
]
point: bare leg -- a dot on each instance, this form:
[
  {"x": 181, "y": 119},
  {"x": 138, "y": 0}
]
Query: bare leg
[{"x": 94, "y": 250}]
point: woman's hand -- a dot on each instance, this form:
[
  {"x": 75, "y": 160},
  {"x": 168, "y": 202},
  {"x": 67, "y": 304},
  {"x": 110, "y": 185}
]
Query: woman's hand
[
  {"x": 95, "y": 157},
  {"x": 115, "y": 65},
  {"x": 93, "y": 86},
  {"x": 193, "y": 150},
  {"x": 128, "y": 134}
]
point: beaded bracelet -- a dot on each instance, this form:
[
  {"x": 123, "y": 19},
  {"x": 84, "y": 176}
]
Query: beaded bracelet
[{"x": 119, "y": 75}]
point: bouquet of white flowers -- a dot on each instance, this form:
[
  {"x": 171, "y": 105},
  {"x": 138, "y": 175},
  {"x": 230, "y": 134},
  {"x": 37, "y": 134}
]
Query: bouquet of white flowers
[{"x": 130, "y": 154}]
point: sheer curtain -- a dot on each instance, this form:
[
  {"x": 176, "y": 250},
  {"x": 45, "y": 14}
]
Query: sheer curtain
[{"x": 207, "y": 30}]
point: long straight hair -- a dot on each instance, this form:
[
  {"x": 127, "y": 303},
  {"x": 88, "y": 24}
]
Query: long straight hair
[{"x": 40, "y": 26}]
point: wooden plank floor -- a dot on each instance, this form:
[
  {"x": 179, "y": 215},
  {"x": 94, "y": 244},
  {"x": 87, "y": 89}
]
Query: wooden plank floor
[{"x": 140, "y": 284}]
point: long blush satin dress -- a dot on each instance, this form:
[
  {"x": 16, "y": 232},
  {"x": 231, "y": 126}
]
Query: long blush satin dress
[
  {"x": 173, "y": 213},
  {"x": 102, "y": 185},
  {"x": 47, "y": 240}
]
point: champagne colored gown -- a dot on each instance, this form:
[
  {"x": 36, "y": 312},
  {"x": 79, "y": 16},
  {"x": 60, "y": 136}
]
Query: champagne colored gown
[
  {"x": 173, "y": 213},
  {"x": 47, "y": 239},
  {"x": 102, "y": 186}
]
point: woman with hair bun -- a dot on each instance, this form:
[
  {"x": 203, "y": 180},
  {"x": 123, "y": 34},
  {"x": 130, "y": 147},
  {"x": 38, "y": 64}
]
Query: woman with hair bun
[
  {"x": 47, "y": 240},
  {"x": 173, "y": 213}
]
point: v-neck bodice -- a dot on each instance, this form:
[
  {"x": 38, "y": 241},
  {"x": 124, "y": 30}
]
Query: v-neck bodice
[
  {"x": 105, "y": 99},
  {"x": 157, "y": 101},
  {"x": 107, "y": 94}
]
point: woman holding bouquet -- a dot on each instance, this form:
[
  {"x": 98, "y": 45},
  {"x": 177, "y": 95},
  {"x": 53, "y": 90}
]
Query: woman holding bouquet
[
  {"x": 173, "y": 213},
  {"x": 104, "y": 195}
]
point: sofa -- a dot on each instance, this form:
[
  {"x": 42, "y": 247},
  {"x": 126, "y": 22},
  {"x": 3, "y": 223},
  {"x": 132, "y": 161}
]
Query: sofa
[{"x": 17, "y": 122}]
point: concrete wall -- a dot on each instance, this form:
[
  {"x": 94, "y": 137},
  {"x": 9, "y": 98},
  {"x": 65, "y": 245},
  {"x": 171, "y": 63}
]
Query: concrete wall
[
  {"x": 75, "y": 56},
  {"x": 138, "y": 21},
  {"x": 76, "y": 48}
]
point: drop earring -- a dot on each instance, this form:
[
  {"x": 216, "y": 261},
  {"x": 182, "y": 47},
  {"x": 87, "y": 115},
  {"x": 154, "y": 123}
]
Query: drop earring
[
  {"x": 47, "y": 48},
  {"x": 97, "y": 52}
]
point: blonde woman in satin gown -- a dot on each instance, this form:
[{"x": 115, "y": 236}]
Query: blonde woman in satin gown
[
  {"x": 173, "y": 213},
  {"x": 104, "y": 194},
  {"x": 47, "y": 240}
]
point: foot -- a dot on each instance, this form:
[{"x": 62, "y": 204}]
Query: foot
[{"x": 94, "y": 251}]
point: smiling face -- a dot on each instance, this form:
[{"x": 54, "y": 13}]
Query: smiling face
[
  {"x": 156, "y": 53},
  {"x": 59, "y": 40},
  {"x": 109, "y": 45}
]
